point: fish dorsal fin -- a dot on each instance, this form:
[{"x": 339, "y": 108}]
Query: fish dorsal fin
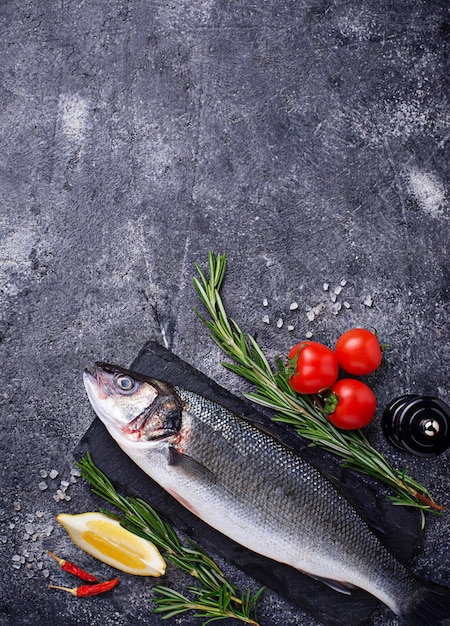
[
  {"x": 189, "y": 465},
  {"x": 337, "y": 585}
]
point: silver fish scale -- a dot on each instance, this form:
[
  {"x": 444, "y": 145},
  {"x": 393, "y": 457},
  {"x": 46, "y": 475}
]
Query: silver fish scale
[{"x": 289, "y": 500}]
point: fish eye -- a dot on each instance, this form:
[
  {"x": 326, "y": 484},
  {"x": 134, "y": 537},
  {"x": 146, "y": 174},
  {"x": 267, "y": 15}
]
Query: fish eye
[{"x": 125, "y": 383}]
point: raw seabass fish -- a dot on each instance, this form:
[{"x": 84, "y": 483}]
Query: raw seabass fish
[{"x": 245, "y": 483}]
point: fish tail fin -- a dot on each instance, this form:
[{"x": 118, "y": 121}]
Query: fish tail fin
[{"x": 429, "y": 605}]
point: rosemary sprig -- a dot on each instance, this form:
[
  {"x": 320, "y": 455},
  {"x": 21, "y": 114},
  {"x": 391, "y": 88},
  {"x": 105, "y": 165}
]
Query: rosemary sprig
[
  {"x": 216, "y": 598},
  {"x": 301, "y": 411}
]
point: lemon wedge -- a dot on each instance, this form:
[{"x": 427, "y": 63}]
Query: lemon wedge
[{"x": 105, "y": 539}]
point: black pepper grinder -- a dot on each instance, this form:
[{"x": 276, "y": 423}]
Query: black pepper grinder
[{"x": 418, "y": 424}]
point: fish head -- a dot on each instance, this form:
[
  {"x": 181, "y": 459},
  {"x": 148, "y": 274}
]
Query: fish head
[{"x": 134, "y": 408}]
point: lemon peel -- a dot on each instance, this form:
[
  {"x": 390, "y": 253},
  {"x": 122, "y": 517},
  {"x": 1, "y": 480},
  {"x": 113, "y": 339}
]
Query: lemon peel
[{"x": 105, "y": 539}]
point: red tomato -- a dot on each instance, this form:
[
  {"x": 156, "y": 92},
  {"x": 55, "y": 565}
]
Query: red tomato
[
  {"x": 356, "y": 404},
  {"x": 358, "y": 351},
  {"x": 316, "y": 367}
]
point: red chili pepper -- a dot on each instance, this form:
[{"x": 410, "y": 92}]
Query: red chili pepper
[
  {"x": 89, "y": 590},
  {"x": 67, "y": 566}
]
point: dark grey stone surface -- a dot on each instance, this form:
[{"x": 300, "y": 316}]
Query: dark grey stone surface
[{"x": 308, "y": 140}]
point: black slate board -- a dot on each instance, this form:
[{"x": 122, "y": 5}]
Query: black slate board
[{"x": 400, "y": 527}]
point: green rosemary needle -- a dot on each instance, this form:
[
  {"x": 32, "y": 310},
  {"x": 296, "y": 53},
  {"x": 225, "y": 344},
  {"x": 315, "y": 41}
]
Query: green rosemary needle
[
  {"x": 215, "y": 598},
  {"x": 301, "y": 411}
]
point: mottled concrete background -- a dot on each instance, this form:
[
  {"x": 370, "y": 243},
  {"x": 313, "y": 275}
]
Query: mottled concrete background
[{"x": 307, "y": 139}]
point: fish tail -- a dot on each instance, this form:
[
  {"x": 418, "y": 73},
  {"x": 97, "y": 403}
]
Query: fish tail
[{"x": 428, "y": 606}]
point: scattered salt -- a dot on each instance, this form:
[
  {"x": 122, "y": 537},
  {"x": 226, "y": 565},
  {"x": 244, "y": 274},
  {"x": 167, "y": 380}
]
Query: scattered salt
[
  {"x": 45, "y": 573},
  {"x": 309, "y": 334},
  {"x": 279, "y": 323},
  {"x": 39, "y": 514},
  {"x": 29, "y": 528},
  {"x": 325, "y": 286},
  {"x": 265, "y": 302},
  {"x": 43, "y": 486},
  {"x": 311, "y": 315},
  {"x": 16, "y": 558},
  {"x": 368, "y": 301},
  {"x": 343, "y": 282},
  {"x": 333, "y": 297},
  {"x": 17, "y": 505},
  {"x": 53, "y": 474},
  {"x": 347, "y": 304},
  {"x": 338, "y": 290},
  {"x": 43, "y": 473},
  {"x": 265, "y": 319},
  {"x": 291, "y": 327},
  {"x": 75, "y": 472},
  {"x": 294, "y": 306}
]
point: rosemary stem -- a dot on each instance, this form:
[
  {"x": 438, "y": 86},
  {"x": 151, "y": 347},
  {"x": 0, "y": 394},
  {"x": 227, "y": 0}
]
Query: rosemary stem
[
  {"x": 220, "y": 596},
  {"x": 273, "y": 392}
]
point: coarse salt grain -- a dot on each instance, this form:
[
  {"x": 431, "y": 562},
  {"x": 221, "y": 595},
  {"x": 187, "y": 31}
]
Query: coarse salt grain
[
  {"x": 293, "y": 306},
  {"x": 325, "y": 286},
  {"x": 336, "y": 308},
  {"x": 265, "y": 302},
  {"x": 291, "y": 327},
  {"x": 347, "y": 304},
  {"x": 309, "y": 334},
  {"x": 311, "y": 315},
  {"x": 279, "y": 323},
  {"x": 368, "y": 301},
  {"x": 265, "y": 319},
  {"x": 43, "y": 486},
  {"x": 53, "y": 474},
  {"x": 343, "y": 282},
  {"x": 338, "y": 290}
]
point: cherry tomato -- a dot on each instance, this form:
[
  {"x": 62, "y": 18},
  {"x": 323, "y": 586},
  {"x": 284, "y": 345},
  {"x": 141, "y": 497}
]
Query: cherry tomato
[
  {"x": 358, "y": 351},
  {"x": 356, "y": 404},
  {"x": 316, "y": 367}
]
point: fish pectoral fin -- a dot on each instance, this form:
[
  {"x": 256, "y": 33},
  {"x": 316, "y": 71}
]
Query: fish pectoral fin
[
  {"x": 337, "y": 585},
  {"x": 190, "y": 466}
]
